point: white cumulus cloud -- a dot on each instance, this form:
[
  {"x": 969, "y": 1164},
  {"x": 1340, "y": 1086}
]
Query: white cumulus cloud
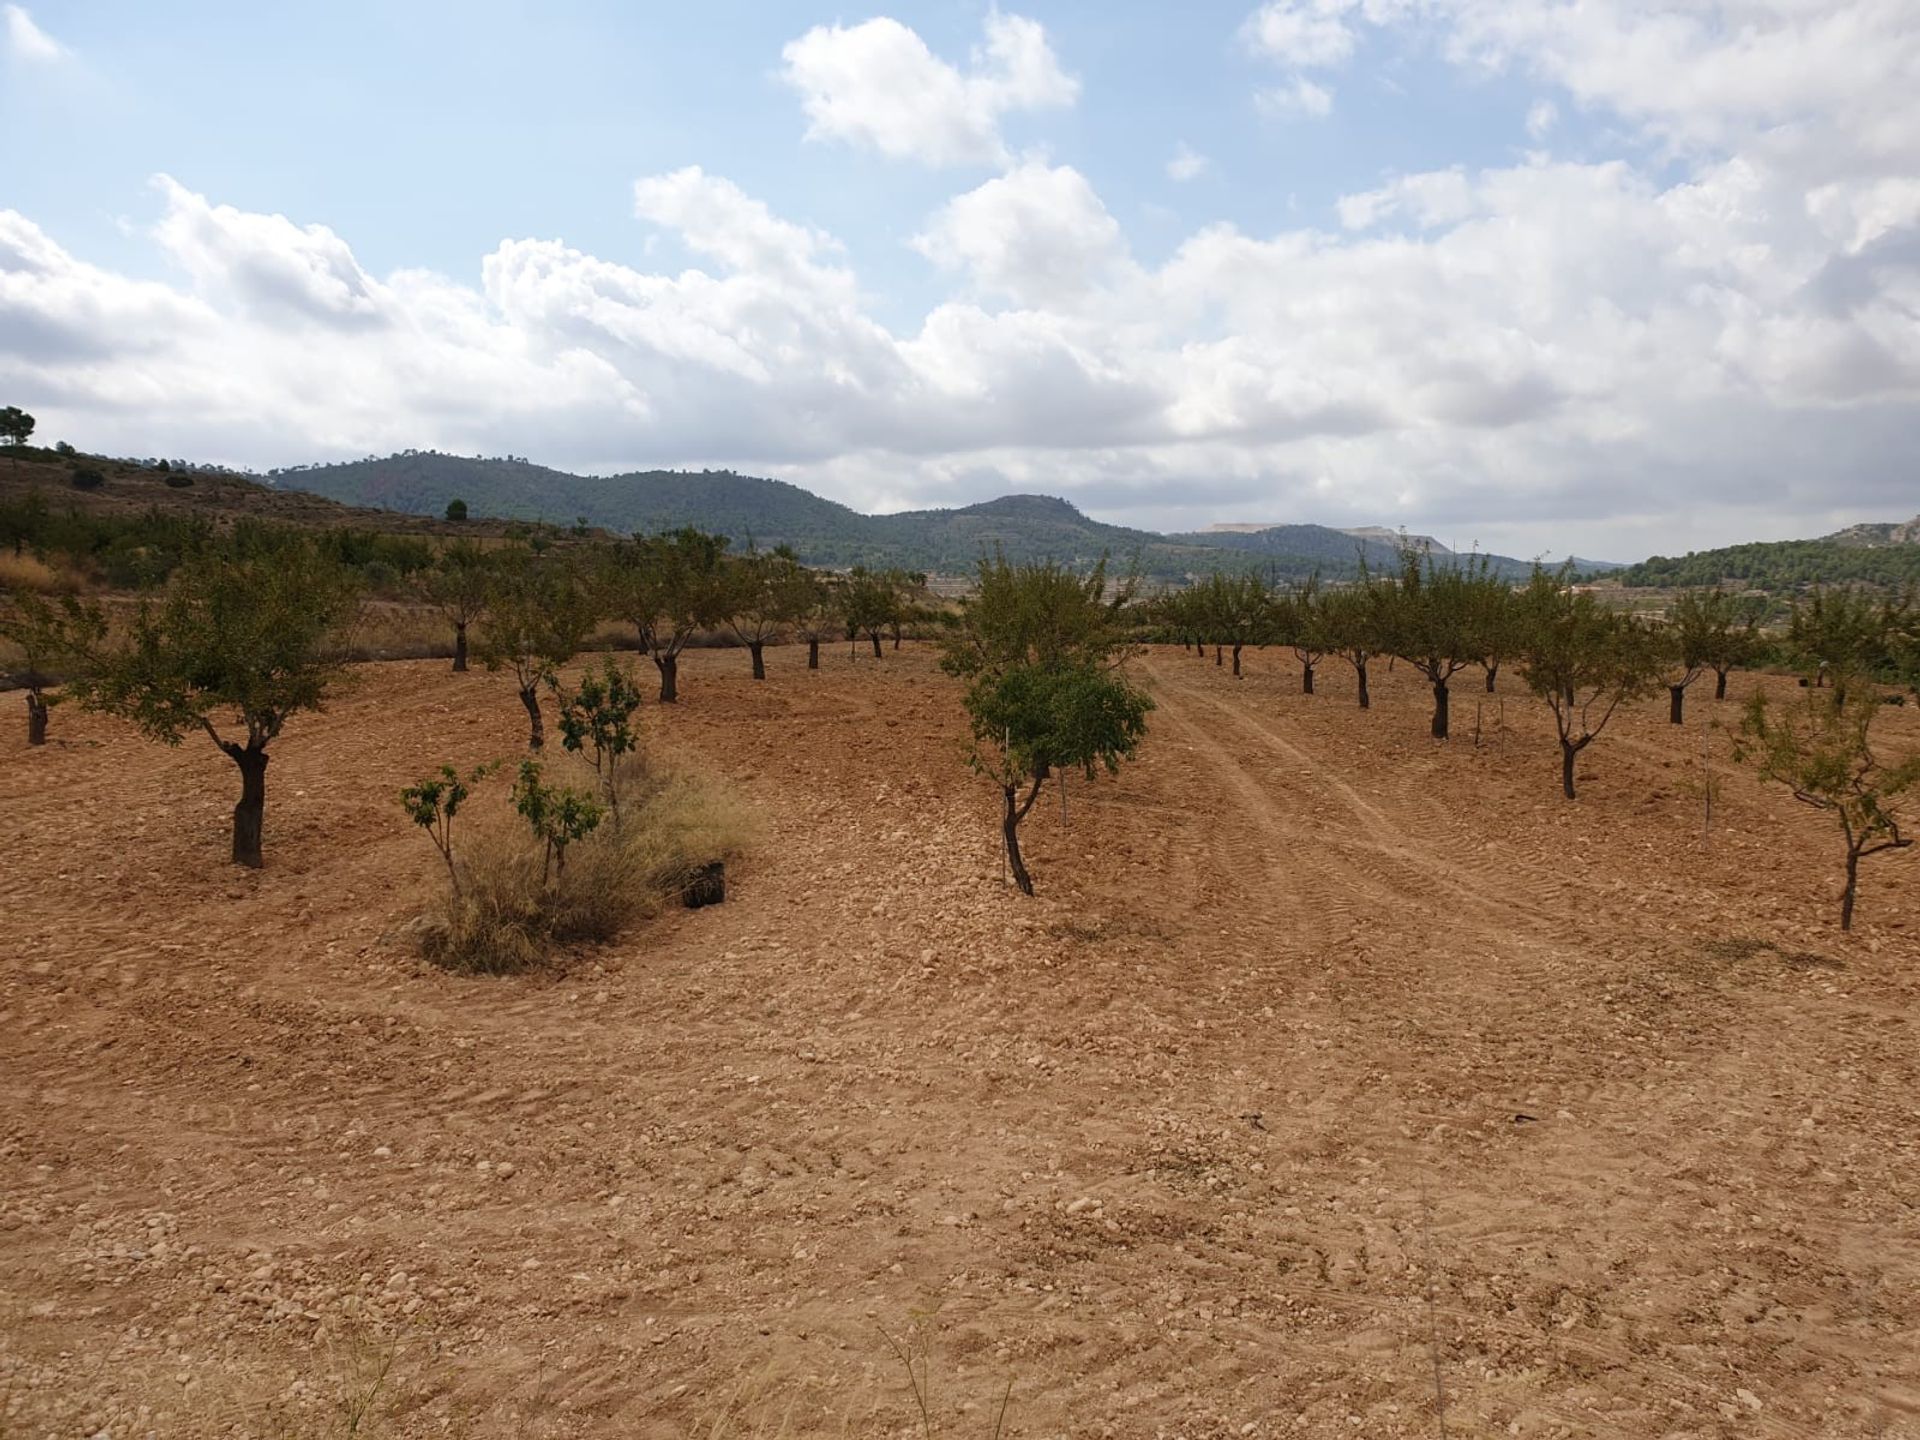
[
  {"x": 877, "y": 86},
  {"x": 1187, "y": 164}
]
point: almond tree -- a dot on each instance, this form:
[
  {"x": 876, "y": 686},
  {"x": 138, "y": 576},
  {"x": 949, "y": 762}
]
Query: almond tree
[
  {"x": 1584, "y": 660},
  {"x": 1433, "y": 616},
  {"x": 1845, "y": 632},
  {"x": 458, "y": 586},
  {"x": 1041, "y": 651},
  {"x": 1350, "y": 616},
  {"x": 1822, "y": 751},
  {"x": 1300, "y": 620},
  {"x": 764, "y": 594},
  {"x": 540, "y": 611},
  {"x": 868, "y": 603},
  {"x": 50, "y": 636},
  {"x": 818, "y": 618},
  {"x": 1712, "y": 630},
  {"x": 670, "y": 587},
  {"x": 236, "y": 646}
]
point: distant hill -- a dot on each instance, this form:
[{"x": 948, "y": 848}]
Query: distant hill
[
  {"x": 1905, "y": 533},
  {"x": 1841, "y": 559},
  {"x": 822, "y": 532}
]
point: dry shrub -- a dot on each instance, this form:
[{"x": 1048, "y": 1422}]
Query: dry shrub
[
  {"x": 508, "y": 919},
  {"x": 30, "y": 572}
]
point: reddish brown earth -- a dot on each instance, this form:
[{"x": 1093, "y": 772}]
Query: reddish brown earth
[{"x": 1333, "y": 1070}]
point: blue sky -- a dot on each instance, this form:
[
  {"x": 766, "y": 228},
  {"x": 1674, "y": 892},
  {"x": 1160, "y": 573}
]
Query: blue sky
[{"x": 1549, "y": 276}]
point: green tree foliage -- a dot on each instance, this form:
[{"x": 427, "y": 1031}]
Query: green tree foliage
[
  {"x": 764, "y": 595},
  {"x": 1781, "y": 566},
  {"x": 1041, "y": 649},
  {"x": 1300, "y": 621},
  {"x": 1711, "y": 630},
  {"x": 1237, "y": 610},
  {"x": 1434, "y": 616},
  {"x": 1822, "y": 751},
  {"x": 1350, "y": 617},
  {"x": 596, "y": 721},
  {"x": 558, "y": 815},
  {"x": 16, "y": 425},
  {"x": 539, "y": 612},
  {"x": 818, "y": 616},
  {"x": 1847, "y": 634},
  {"x": 51, "y": 636},
  {"x": 458, "y": 586},
  {"x": 456, "y": 510},
  {"x": 871, "y": 603},
  {"x": 433, "y": 803},
  {"x": 244, "y": 642},
  {"x": 1584, "y": 661},
  {"x": 669, "y": 587}
]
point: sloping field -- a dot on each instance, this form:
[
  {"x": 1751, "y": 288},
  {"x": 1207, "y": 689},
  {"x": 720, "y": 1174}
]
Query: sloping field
[{"x": 1338, "y": 1083}]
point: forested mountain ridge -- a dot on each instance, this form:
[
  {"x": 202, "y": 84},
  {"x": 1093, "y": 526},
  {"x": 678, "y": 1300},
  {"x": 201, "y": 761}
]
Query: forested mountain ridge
[{"x": 823, "y": 532}]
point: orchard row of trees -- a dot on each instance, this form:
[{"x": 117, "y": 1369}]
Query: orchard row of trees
[
  {"x": 1584, "y": 660},
  {"x": 245, "y": 636}
]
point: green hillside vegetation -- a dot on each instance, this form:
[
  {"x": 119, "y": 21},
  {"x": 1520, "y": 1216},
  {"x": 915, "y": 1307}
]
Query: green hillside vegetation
[
  {"x": 1025, "y": 528},
  {"x": 1781, "y": 566}
]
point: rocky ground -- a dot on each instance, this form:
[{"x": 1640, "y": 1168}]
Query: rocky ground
[{"x": 1337, "y": 1083}]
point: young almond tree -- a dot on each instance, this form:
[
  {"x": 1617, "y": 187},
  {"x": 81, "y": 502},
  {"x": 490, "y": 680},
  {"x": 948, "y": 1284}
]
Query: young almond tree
[
  {"x": 458, "y": 586},
  {"x": 1041, "y": 650},
  {"x": 1585, "y": 661},
  {"x": 434, "y": 803},
  {"x": 237, "y": 646},
  {"x": 1822, "y": 751},
  {"x": 1433, "y": 617},
  {"x": 596, "y": 721},
  {"x": 540, "y": 611},
  {"x": 50, "y": 636}
]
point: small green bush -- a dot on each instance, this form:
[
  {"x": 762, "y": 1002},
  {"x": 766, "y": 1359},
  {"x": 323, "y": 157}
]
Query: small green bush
[
  {"x": 86, "y": 477},
  {"x": 514, "y": 908},
  {"x": 178, "y": 480}
]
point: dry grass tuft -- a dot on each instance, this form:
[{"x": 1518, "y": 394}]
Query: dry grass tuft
[
  {"x": 507, "y": 919},
  {"x": 29, "y": 572}
]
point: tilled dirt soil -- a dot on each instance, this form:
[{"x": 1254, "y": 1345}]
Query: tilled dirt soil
[{"x": 1338, "y": 1082}]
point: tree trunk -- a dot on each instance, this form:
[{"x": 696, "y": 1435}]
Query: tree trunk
[
  {"x": 1853, "y": 886},
  {"x": 1720, "y": 685},
  {"x": 536, "y": 726},
  {"x": 1010, "y": 829},
  {"x": 249, "y": 816},
  {"x": 459, "y": 647},
  {"x": 1567, "y": 754},
  {"x": 36, "y": 719},
  {"x": 1676, "y": 703},
  {"x": 669, "y": 668},
  {"x": 874, "y": 635},
  {"x": 1216, "y": 654},
  {"x": 757, "y": 649},
  {"x": 1236, "y": 662},
  {"x": 896, "y": 637},
  {"x": 1360, "y": 670},
  {"x": 1306, "y": 678},
  {"x": 813, "y": 653},
  {"x": 1439, "y": 709},
  {"x": 1493, "y": 674}
]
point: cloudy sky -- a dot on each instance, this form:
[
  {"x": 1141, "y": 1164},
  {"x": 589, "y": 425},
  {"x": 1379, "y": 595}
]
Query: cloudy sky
[{"x": 1611, "y": 276}]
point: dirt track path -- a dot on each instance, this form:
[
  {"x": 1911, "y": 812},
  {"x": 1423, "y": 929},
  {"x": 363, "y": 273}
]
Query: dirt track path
[{"x": 1221, "y": 1132}]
